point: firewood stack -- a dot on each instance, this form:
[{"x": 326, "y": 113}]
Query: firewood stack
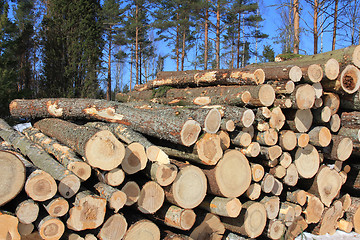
[{"x": 269, "y": 150}]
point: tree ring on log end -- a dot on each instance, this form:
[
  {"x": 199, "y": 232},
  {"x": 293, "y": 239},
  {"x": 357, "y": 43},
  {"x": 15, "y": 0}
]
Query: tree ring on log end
[
  {"x": 332, "y": 69},
  {"x": 344, "y": 149},
  {"x": 188, "y": 218},
  {"x": 328, "y": 182},
  {"x": 52, "y": 229},
  {"x": 104, "y": 151},
  {"x": 255, "y": 219},
  {"x": 132, "y": 191},
  {"x": 315, "y": 73},
  {"x": 212, "y": 121},
  {"x": 190, "y": 132},
  {"x": 259, "y": 76},
  {"x": 151, "y": 198},
  {"x": 307, "y": 161},
  {"x": 135, "y": 158},
  {"x": 143, "y": 229},
  {"x": 295, "y": 73},
  {"x": 248, "y": 118},
  {"x": 246, "y": 97},
  {"x": 305, "y": 96},
  {"x": 289, "y": 87},
  {"x": 350, "y": 79},
  {"x": 266, "y": 95},
  {"x": 69, "y": 186},
  {"x": 40, "y": 186},
  {"x": 324, "y": 137},
  {"x": 356, "y": 56}
]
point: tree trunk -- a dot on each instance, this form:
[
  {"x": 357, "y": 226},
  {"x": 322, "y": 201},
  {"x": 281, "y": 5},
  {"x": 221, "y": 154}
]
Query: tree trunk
[
  {"x": 108, "y": 81},
  {"x": 115, "y": 198},
  {"x": 335, "y": 25},
  {"x": 176, "y": 217},
  {"x": 227, "y": 207},
  {"x": 296, "y": 26},
  {"x": 315, "y": 28},
  {"x": 163, "y": 174},
  {"x": 206, "y": 39},
  {"x": 141, "y": 229}
]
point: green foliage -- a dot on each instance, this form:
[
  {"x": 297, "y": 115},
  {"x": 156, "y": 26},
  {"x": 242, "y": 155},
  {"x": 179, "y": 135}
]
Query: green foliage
[
  {"x": 160, "y": 92},
  {"x": 268, "y": 54}
]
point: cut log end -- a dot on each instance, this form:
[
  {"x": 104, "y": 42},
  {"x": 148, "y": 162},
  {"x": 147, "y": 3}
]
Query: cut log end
[
  {"x": 132, "y": 191},
  {"x": 332, "y": 69},
  {"x": 335, "y": 123},
  {"x": 287, "y": 140},
  {"x": 295, "y": 73},
  {"x": 9, "y": 227},
  {"x": 117, "y": 200},
  {"x": 303, "y": 120},
  {"x": 114, "y": 227},
  {"x": 275, "y": 229},
  {"x": 302, "y": 139},
  {"x": 12, "y": 174},
  {"x": 344, "y": 148},
  {"x": 115, "y": 177},
  {"x": 51, "y": 228},
  {"x": 27, "y": 211},
  {"x": 350, "y": 79},
  {"x": 190, "y": 132},
  {"x": 135, "y": 158},
  {"x": 307, "y": 161},
  {"x": 315, "y": 73},
  {"x": 289, "y": 87},
  {"x": 80, "y": 169},
  {"x": 356, "y": 56},
  {"x": 266, "y": 95},
  {"x": 58, "y": 207},
  {"x": 104, "y": 151},
  {"x": 305, "y": 96},
  {"x": 143, "y": 229},
  {"x": 151, "y": 198},
  {"x": 40, "y": 186},
  {"x": 210, "y": 228},
  {"x": 201, "y": 101},
  {"x": 212, "y": 121},
  {"x": 209, "y": 149},
  {"x": 69, "y": 186},
  {"x": 259, "y": 76},
  {"x": 155, "y": 154},
  {"x": 248, "y": 118}
]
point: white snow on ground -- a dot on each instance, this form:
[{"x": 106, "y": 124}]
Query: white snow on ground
[{"x": 339, "y": 235}]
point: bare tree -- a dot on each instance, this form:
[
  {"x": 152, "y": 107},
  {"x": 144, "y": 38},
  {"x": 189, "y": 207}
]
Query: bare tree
[{"x": 296, "y": 26}]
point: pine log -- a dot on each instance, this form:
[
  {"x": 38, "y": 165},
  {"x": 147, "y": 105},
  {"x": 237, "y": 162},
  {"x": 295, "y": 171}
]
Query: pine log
[
  {"x": 353, "y": 213},
  {"x": 257, "y": 172},
  {"x": 277, "y": 118},
  {"x": 69, "y": 183},
  {"x": 242, "y": 117},
  {"x": 100, "y": 148},
  {"x": 189, "y": 187},
  {"x": 322, "y": 115},
  {"x": 151, "y": 198},
  {"x": 313, "y": 210},
  {"x": 340, "y": 148},
  {"x": 287, "y": 140},
  {"x": 307, "y": 161},
  {"x": 115, "y": 198},
  {"x": 298, "y": 196},
  {"x": 345, "y": 226},
  {"x": 201, "y": 78},
  {"x": 176, "y": 130},
  {"x": 224, "y": 179},
  {"x": 254, "y": 191},
  {"x": 267, "y": 183},
  {"x": 51, "y": 228},
  {"x": 283, "y": 102},
  {"x": 176, "y": 217},
  {"x": 113, "y": 178},
  {"x": 351, "y": 132},
  {"x": 208, "y": 148},
  {"x": 209, "y": 227},
  {"x": 274, "y": 229},
  {"x": 278, "y": 171},
  {"x": 227, "y": 125},
  {"x": 56, "y": 207},
  {"x": 129, "y": 136},
  {"x": 282, "y": 86},
  {"x": 27, "y": 211},
  {"x": 88, "y": 212},
  {"x": 142, "y": 229},
  {"x": 114, "y": 228},
  {"x": 320, "y": 136},
  {"x": 272, "y": 206},
  {"x": 303, "y": 97},
  {"x": 163, "y": 174},
  {"x": 132, "y": 191},
  {"x": 334, "y": 123},
  {"x": 62, "y": 153},
  {"x": 225, "y": 140},
  {"x": 135, "y": 158},
  {"x": 299, "y": 120},
  {"x": 270, "y": 153},
  {"x": 253, "y": 150},
  {"x": 331, "y": 100},
  {"x": 240, "y": 138},
  {"x": 348, "y": 81},
  {"x": 285, "y": 159},
  {"x": 277, "y": 72},
  {"x": 292, "y": 175},
  {"x": 327, "y": 184},
  {"x": 297, "y": 227},
  {"x": 302, "y": 139},
  {"x": 227, "y": 207},
  {"x": 286, "y": 214},
  {"x": 329, "y": 219},
  {"x": 267, "y": 138},
  {"x": 251, "y": 221},
  {"x": 9, "y": 226},
  {"x": 12, "y": 174}
]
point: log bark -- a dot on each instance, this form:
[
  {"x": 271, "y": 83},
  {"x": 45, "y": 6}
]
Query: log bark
[
  {"x": 88, "y": 212},
  {"x": 114, "y": 228},
  {"x": 151, "y": 198},
  {"x": 251, "y": 221},
  {"x": 282, "y": 86},
  {"x": 201, "y": 78},
  {"x": 176, "y": 217},
  {"x": 69, "y": 183},
  {"x": 348, "y": 81},
  {"x": 51, "y": 228},
  {"x": 27, "y": 211},
  {"x": 353, "y": 213},
  {"x": 189, "y": 187},
  {"x": 163, "y": 174},
  {"x": 100, "y": 148},
  {"x": 272, "y": 206},
  {"x": 340, "y": 148},
  {"x": 351, "y": 101},
  {"x": 115, "y": 198},
  {"x": 142, "y": 229},
  {"x": 224, "y": 180},
  {"x": 283, "y": 102},
  {"x": 57, "y": 206},
  {"x": 298, "y": 226},
  {"x": 307, "y": 161},
  {"x": 227, "y": 207},
  {"x": 176, "y": 130},
  {"x": 351, "y": 132},
  {"x": 62, "y": 153},
  {"x": 209, "y": 227},
  {"x": 320, "y": 136}
]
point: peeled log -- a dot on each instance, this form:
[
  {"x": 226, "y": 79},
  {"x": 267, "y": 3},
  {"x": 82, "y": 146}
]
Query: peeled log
[
  {"x": 251, "y": 221},
  {"x": 224, "y": 179},
  {"x": 100, "y": 148},
  {"x": 176, "y": 130}
]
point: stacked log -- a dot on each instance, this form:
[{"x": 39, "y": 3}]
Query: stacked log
[{"x": 264, "y": 151}]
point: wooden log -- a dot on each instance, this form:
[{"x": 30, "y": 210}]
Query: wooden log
[
  {"x": 285, "y": 159},
  {"x": 274, "y": 229},
  {"x": 127, "y": 135},
  {"x": 9, "y": 226},
  {"x": 224, "y": 180},
  {"x": 282, "y": 86},
  {"x": 318, "y": 90},
  {"x": 187, "y": 155},
  {"x": 278, "y": 171},
  {"x": 303, "y": 97},
  {"x": 267, "y": 138},
  {"x": 322, "y": 115},
  {"x": 334, "y": 123},
  {"x": 13, "y": 174},
  {"x": 227, "y": 207},
  {"x": 291, "y": 176},
  {"x": 263, "y": 113},
  {"x": 318, "y": 103},
  {"x": 25, "y": 229},
  {"x": 262, "y": 126},
  {"x": 176, "y": 217},
  {"x": 51, "y": 228},
  {"x": 351, "y": 102},
  {"x": 56, "y": 207},
  {"x": 209, "y": 227},
  {"x": 62, "y": 153},
  {"x": 267, "y": 183},
  {"x": 353, "y": 213},
  {"x": 163, "y": 174},
  {"x": 227, "y": 125},
  {"x": 151, "y": 198},
  {"x": 135, "y": 158},
  {"x": 189, "y": 187},
  {"x": 69, "y": 183},
  {"x": 114, "y": 228},
  {"x": 331, "y": 100},
  {"x": 175, "y": 236},
  {"x": 272, "y": 206},
  {"x": 115, "y": 198},
  {"x": 332, "y": 69},
  {"x": 302, "y": 139},
  {"x": 100, "y": 148},
  {"x": 132, "y": 191},
  {"x": 329, "y": 219},
  {"x": 327, "y": 184},
  {"x": 312, "y": 73},
  {"x": 253, "y": 150},
  {"x": 307, "y": 161},
  {"x": 242, "y": 117},
  {"x": 297, "y": 227},
  {"x": 240, "y": 138},
  {"x": 340, "y": 148},
  {"x": 201, "y": 78},
  {"x": 277, "y": 72},
  {"x": 348, "y": 81},
  {"x": 277, "y": 118},
  {"x": 176, "y": 130},
  {"x": 313, "y": 210},
  {"x": 298, "y": 196},
  {"x": 251, "y": 221},
  {"x": 320, "y": 136},
  {"x": 254, "y": 191},
  {"x": 88, "y": 212},
  {"x": 225, "y": 140},
  {"x": 346, "y": 201},
  {"x": 27, "y": 211},
  {"x": 208, "y": 148},
  {"x": 277, "y": 188},
  {"x": 257, "y": 172},
  {"x": 113, "y": 178},
  {"x": 270, "y": 153},
  {"x": 142, "y": 229},
  {"x": 345, "y": 226},
  {"x": 287, "y": 140},
  {"x": 40, "y": 186},
  {"x": 351, "y": 132},
  {"x": 283, "y": 102},
  {"x": 286, "y": 214},
  {"x": 299, "y": 120}
]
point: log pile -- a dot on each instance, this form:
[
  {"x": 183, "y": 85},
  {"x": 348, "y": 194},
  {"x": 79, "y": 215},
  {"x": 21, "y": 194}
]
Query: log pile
[{"x": 265, "y": 151}]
